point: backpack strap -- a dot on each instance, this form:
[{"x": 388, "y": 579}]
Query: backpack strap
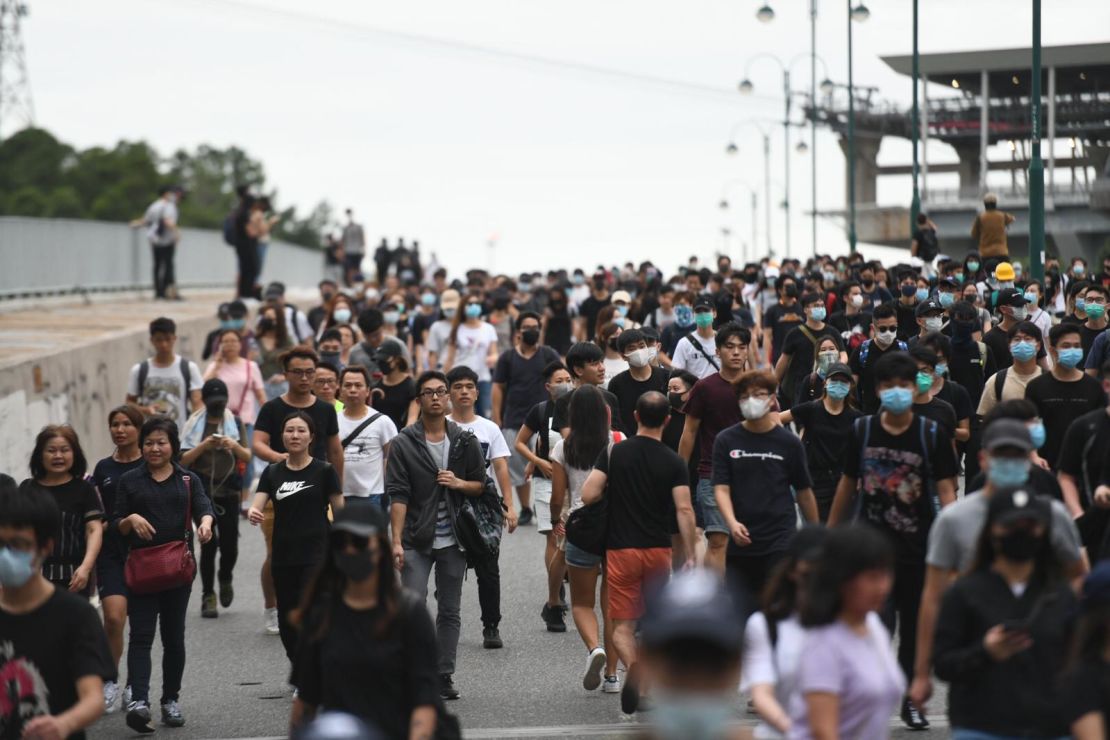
[
  {"x": 186, "y": 376},
  {"x": 928, "y": 426},
  {"x": 701, "y": 350},
  {"x": 999, "y": 383},
  {"x": 863, "y": 432},
  {"x": 864, "y": 350},
  {"x": 358, "y": 430},
  {"x": 982, "y": 356},
  {"x": 144, "y": 371}
]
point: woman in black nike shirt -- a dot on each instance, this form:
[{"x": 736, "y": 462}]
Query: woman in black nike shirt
[{"x": 301, "y": 488}]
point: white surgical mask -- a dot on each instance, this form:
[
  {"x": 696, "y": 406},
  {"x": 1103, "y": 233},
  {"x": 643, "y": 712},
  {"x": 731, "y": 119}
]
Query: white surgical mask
[
  {"x": 933, "y": 323},
  {"x": 857, "y": 300},
  {"x": 638, "y": 357},
  {"x": 754, "y": 408},
  {"x": 885, "y": 338}
]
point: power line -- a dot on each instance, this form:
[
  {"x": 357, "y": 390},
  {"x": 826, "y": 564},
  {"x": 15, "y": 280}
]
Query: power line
[{"x": 477, "y": 50}]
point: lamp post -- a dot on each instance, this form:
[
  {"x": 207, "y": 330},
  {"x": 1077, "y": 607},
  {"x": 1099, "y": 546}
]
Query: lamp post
[
  {"x": 915, "y": 202},
  {"x": 724, "y": 205},
  {"x": 859, "y": 13},
  {"x": 732, "y": 148},
  {"x": 1036, "y": 165}
]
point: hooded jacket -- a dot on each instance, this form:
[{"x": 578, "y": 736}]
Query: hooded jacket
[{"x": 410, "y": 479}]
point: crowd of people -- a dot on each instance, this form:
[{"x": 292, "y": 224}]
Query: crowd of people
[{"x": 757, "y": 476}]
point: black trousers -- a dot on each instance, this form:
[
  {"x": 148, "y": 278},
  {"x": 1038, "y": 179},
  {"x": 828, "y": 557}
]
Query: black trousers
[
  {"x": 164, "y": 611},
  {"x": 247, "y": 254},
  {"x": 748, "y": 575},
  {"x": 488, "y": 572},
  {"x": 225, "y": 541},
  {"x": 164, "y": 275},
  {"x": 902, "y": 607},
  {"x": 290, "y": 582}
]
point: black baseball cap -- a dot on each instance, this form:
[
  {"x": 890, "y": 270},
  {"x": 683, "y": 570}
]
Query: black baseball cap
[
  {"x": 237, "y": 309},
  {"x": 388, "y": 349},
  {"x": 838, "y": 368},
  {"x": 213, "y": 389},
  {"x": 927, "y": 305},
  {"x": 1018, "y": 503},
  {"x": 360, "y": 518},
  {"x": 693, "y": 605},
  {"x": 1011, "y": 297},
  {"x": 1007, "y": 433},
  {"x": 703, "y": 303},
  {"x": 275, "y": 290}
]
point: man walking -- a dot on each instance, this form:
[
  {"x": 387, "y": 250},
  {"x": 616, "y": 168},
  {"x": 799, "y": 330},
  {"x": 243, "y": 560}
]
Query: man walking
[
  {"x": 167, "y": 384},
  {"x": 162, "y": 232},
  {"x": 365, "y": 436},
  {"x": 432, "y": 463},
  {"x": 643, "y": 481}
]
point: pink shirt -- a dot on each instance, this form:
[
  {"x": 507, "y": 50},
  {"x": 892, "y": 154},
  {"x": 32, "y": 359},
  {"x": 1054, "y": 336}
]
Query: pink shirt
[{"x": 241, "y": 397}]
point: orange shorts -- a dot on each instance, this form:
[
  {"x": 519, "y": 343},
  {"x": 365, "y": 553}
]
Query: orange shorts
[{"x": 628, "y": 570}]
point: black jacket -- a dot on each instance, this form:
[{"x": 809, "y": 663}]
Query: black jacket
[
  {"x": 1018, "y": 697},
  {"x": 410, "y": 479}
]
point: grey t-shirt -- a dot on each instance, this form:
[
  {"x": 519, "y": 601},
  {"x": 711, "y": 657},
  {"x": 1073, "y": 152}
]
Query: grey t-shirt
[
  {"x": 445, "y": 536},
  {"x": 955, "y": 533}
]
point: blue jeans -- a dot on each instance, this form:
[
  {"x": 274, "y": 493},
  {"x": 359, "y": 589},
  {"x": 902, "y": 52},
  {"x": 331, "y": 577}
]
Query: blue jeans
[
  {"x": 578, "y": 558},
  {"x": 485, "y": 398},
  {"x": 712, "y": 521}
]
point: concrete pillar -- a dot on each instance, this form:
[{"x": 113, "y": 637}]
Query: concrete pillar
[
  {"x": 924, "y": 139},
  {"x": 984, "y": 129},
  {"x": 1051, "y": 134},
  {"x": 867, "y": 167},
  {"x": 970, "y": 170}
]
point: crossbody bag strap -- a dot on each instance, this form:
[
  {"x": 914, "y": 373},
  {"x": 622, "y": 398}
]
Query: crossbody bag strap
[
  {"x": 700, "y": 348},
  {"x": 358, "y": 430},
  {"x": 188, "y": 505}
]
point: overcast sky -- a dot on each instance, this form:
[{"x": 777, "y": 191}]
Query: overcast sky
[{"x": 356, "y": 102}]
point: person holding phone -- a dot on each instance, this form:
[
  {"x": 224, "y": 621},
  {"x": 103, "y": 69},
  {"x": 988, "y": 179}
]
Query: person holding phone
[{"x": 1003, "y": 630}]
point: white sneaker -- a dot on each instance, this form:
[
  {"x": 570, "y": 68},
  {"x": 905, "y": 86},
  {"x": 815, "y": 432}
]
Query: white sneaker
[
  {"x": 272, "y": 622},
  {"x": 111, "y": 696},
  {"x": 127, "y": 701},
  {"x": 611, "y": 685},
  {"x": 595, "y": 664}
]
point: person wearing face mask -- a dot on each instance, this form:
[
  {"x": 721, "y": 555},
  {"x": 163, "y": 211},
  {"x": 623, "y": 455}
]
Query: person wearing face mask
[
  {"x": 695, "y": 352},
  {"x": 925, "y": 402},
  {"x": 422, "y": 323},
  {"x": 1013, "y": 309},
  {"x": 947, "y": 294},
  {"x": 36, "y": 617},
  {"x": 930, "y": 318},
  {"x": 825, "y": 425},
  {"x": 607, "y": 336},
  {"x": 683, "y": 324},
  {"x": 440, "y": 330},
  {"x": 340, "y": 311},
  {"x": 352, "y": 608},
  {"x": 901, "y": 465},
  {"x": 1065, "y": 393},
  {"x": 780, "y": 319},
  {"x": 812, "y": 386},
  {"x": 759, "y": 468},
  {"x": 317, "y": 314},
  {"x": 1008, "y": 448},
  {"x": 970, "y": 364},
  {"x": 1003, "y": 278},
  {"x": 852, "y": 321},
  {"x": 799, "y": 355},
  {"x": 214, "y": 446},
  {"x": 640, "y": 377},
  {"x": 905, "y": 306},
  {"x": 395, "y": 394},
  {"x": 874, "y": 293},
  {"x": 679, "y": 385},
  {"x": 950, "y": 392},
  {"x": 1011, "y": 382},
  {"x": 330, "y": 348},
  {"x": 474, "y": 343},
  {"x": 372, "y": 324},
  {"x": 1076, "y": 300},
  {"x": 884, "y": 333},
  {"x": 1034, "y": 295},
  {"x": 1094, "y": 306},
  {"x": 230, "y": 317},
  {"x": 1003, "y": 628},
  {"x": 558, "y": 327},
  {"x": 691, "y": 639}
]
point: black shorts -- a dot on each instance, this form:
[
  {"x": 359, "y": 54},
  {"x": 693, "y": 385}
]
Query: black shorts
[{"x": 110, "y": 580}]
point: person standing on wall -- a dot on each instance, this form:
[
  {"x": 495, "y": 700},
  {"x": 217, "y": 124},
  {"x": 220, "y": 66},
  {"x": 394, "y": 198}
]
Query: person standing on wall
[
  {"x": 354, "y": 249},
  {"x": 160, "y": 221}
]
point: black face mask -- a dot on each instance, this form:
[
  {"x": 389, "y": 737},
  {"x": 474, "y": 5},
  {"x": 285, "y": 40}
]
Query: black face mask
[
  {"x": 1021, "y": 545},
  {"x": 962, "y": 329},
  {"x": 530, "y": 336},
  {"x": 867, "y": 282},
  {"x": 356, "y": 566},
  {"x": 215, "y": 409},
  {"x": 751, "y": 277},
  {"x": 676, "y": 401},
  {"x": 908, "y": 290},
  {"x": 790, "y": 290}
]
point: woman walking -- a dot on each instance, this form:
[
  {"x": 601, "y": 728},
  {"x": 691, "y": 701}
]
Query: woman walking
[
  {"x": 473, "y": 343},
  {"x": 154, "y": 504},
  {"x": 124, "y": 423},
  {"x": 301, "y": 488}
]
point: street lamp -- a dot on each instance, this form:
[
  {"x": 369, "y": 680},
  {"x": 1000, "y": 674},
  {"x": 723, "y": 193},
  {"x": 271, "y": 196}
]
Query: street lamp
[
  {"x": 724, "y": 205},
  {"x": 859, "y": 14},
  {"x": 765, "y": 14},
  {"x": 827, "y": 86},
  {"x": 746, "y": 86},
  {"x": 732, "y": 149},
  {"x": 801, "y": 148}
]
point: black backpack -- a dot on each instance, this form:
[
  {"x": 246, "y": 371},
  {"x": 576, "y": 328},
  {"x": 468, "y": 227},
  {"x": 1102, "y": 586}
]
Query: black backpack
[
  {"x": 144, "y": 371},
  {"x": 927, "y": 246}
]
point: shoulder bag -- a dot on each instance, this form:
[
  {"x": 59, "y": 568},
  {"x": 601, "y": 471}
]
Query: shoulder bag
[{"x": 151, "y": 570}]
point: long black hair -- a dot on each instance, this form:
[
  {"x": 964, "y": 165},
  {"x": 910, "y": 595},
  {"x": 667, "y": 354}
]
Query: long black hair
[
  {"x": 589, "y": 428},
  {"x": 1091, "y": 636},
  {"x": 325, "y": 591},
  {"x": 848, "y": 552}
]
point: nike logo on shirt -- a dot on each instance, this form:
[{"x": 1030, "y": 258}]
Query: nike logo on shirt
[{"x": 290, "y": 487}]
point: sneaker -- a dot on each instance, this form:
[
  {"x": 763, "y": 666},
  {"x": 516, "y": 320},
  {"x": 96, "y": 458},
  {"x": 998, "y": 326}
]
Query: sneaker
[
  {"x": 127, "y": 703},
  {"x": 491, "y": 638},
  {"x": 208, "y": 606},
  {"x": 553, "y": 617},
  {"x": 611, "y": 685},
  {"x": 227, "y": 593},
  {"x": 138, "y": 718},
  {"x": 595, "y": 664},
  {"x": 630, "y": 692},
  {"x": 111, "y": 696},
  {"x": 272, "y": 622},
  {"x": 912, "y": 716},
  {"x": 171, "y": 714},
  {"x": 525, "y": 517},
  {"x": 447, "y": 690}
]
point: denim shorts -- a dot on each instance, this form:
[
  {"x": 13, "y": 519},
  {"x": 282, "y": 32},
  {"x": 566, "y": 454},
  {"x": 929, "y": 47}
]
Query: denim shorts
[
  {"x": 579, "y": 558},
  {"x": 712, "y": 521}
]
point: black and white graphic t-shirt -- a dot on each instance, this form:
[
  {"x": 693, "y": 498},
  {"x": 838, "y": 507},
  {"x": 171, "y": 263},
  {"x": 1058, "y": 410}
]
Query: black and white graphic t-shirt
[
  {"x": 78, "y": 504},
  {"x": 301, "y": 500}
]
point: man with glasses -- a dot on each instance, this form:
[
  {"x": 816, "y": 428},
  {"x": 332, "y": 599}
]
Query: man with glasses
[
  {"x": 1095, "y": 307},
  {"x": 432, "y": 463},
  {"x": 365, "y": 435},
  {"x": 325, "y": 385},
  {"x": 696, "y": 352},
  {"x": 299, "y": 365}
]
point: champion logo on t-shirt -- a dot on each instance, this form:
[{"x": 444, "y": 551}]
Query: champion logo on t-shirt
[
  {"x": 290, "y": 487},
  {"x": 738, "y": 454}
]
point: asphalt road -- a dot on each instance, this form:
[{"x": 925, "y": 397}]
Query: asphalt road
[{"x": 235, "y": 678}]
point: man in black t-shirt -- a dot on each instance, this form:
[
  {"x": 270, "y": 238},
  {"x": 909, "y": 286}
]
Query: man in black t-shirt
[
  {"x": 641, "y": 479},
  {"x": 884, "y": 331},
  {"x": 799, "y": 349},
  {"x": 586, "y": 363},
  {"x": 640, "y": 377},
  {"x": 1013, "y": 309},
  {"x": 591, "y": 307},
  {"x": 54, "y": 655},
  {"x": 780, "y": 318},
  {"x": 1083, "y": 470}
]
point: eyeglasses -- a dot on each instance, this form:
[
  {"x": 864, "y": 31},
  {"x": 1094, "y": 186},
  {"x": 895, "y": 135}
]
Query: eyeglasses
[
  {"x": 301, "y": 373},
  {"x": 434, "y": 393},
  {"x": 325, "y": 382}
]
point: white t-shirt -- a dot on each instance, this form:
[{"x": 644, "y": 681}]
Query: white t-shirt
[
  {"x": 613, "y": 368},
  {"x": 165, "y": 388},
  {"x": 438, "y": 334},
  {"x": 490, "y": 437},
  {"x": 296, "y": 323},
  {"x": 575, "y": 476},
  {"x": 157, "y": 212},
  {"x": 364, "y": 457},
  {"x": 472, "y": 346},
  {"x": 776, "y": 664},
  {"x": 689, "y": 358}
]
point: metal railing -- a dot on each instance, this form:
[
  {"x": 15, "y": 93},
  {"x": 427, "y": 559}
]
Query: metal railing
[{"x": 40, "y": 256}]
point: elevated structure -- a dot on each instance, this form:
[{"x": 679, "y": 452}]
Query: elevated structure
[{"x": 989, "y": 105}]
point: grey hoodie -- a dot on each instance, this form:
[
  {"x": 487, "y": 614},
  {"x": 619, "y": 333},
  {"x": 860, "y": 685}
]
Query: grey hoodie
[{"x": 410, "y": 479}]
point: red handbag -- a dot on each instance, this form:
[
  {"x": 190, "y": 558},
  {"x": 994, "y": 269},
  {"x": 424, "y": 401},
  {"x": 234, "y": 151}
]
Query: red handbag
[{"x": 151, "y": 570}]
